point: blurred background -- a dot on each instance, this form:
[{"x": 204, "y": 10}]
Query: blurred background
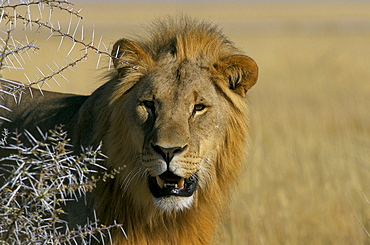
[{"x": 308, "y": 176}]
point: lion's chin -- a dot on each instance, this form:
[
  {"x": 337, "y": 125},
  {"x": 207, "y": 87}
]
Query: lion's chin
[{"x": 171, "y": 204}]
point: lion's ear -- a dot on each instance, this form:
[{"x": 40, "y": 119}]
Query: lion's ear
[
  {"x": 128, "y": 54},
  {"x": 241, "y": 72}
]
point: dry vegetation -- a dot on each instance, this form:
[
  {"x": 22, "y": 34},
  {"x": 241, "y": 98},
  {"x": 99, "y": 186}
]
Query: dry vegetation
[{"x": 309, "y": 171}]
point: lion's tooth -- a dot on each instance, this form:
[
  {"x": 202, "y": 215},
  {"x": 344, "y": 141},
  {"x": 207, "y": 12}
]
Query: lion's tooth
[
  {"x": 170, "y": 185},
  {"x": 160, "y": 181},
  {"x": 181, "y": 183}
]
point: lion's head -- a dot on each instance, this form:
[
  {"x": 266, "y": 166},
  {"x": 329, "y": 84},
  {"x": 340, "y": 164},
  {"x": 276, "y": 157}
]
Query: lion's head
[{"x": 175, "y": 117}]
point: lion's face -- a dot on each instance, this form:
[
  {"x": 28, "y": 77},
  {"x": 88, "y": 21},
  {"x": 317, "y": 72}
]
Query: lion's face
[{"x": 177, "y": 114}]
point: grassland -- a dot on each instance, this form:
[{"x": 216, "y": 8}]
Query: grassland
[{"x": 308, "y": 177}]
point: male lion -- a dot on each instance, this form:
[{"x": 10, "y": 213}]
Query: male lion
[{"x": 174, "y": 115}]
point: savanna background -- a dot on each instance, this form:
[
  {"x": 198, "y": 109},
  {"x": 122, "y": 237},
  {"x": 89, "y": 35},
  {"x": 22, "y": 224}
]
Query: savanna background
[{"x": 308, "y": 176}]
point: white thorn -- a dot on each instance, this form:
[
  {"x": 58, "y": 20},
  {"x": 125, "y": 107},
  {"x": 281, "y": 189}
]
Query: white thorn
[
  {"x": 29, "y": 12},
  {"x": 100, "y": 41},
  {"x": 109, "y": 63},
  {"x": 98, "y": 62},
  {"x": 69, "y": 24},
  {"x": 15, "y": 20},
  {"x": 31, "y": 93},
  {"x": 82, "y": 33},
  {"x": 61, "y": 39},
  {"x": 74, "y": 44},
  {"x": 78, "y": 23},
  {"x": 40, "y": 89},
  {"x": 29, "y": 81},
  {"x": 2, "y": 15},
  {"x": 40, "y": 71}
]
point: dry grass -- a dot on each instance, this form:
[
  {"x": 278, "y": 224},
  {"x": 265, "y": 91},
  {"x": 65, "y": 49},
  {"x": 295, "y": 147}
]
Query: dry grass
[
  {"x": 309, "y": 165},
  {"x": 309, "y": 169}
]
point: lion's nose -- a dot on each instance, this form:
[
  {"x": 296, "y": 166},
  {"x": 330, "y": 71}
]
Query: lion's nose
[{"x": 168, "y": 153}]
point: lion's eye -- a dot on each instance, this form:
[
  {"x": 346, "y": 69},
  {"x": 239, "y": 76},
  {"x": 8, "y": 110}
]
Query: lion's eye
[
  {"x": 199, "y": 107},
  {"x": 149, "y": 104}
]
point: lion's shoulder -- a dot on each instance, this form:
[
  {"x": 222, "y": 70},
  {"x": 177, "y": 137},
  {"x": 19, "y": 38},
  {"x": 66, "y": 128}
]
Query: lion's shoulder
[{"x": 43, "y": 110}]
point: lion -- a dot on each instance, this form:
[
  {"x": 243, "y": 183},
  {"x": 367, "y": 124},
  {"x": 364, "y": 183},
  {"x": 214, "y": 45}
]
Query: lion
[{"x": 174, "y": 117}]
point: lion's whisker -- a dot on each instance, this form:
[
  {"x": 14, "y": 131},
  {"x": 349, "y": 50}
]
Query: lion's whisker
[{"x": 130, "y": 176}]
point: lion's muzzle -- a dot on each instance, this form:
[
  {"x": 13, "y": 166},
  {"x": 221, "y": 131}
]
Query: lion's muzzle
[
  {"x": 169, "y": 184},
  {"x": 168, "y": 153}
]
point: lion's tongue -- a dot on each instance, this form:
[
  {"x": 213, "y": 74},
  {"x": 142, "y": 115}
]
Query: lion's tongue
[{"x": 179, "y": 183}]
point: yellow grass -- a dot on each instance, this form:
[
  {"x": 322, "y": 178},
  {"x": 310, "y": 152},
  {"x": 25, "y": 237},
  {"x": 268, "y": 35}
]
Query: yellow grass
[
  {"x": 309, "y": 166},
  {"x": 308, "y": 177}
]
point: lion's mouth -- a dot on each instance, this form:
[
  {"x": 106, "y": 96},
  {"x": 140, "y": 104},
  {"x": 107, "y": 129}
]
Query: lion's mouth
[{"x": 169, "y": 184}]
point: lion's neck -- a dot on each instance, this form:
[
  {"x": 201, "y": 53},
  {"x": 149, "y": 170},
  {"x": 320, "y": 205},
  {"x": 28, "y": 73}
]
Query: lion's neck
[{"x": 182, "y": 229}]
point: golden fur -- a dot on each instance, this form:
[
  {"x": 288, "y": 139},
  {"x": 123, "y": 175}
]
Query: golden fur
[{"x": 182, "y": 88}]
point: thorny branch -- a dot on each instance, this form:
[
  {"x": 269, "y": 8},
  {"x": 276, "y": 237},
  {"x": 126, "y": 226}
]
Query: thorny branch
[
  {"x": 15, "y": 87},
  {"x": 58, "y": 31},
  {"x": 58, "y": 72},
  {"x": 9, "y": 14},
  {"x": 4, "y": 52},
  {"x": 12, "y": 49},
  {"x": 40, "y": 178},
  {"x": 55, "y": 4}
]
